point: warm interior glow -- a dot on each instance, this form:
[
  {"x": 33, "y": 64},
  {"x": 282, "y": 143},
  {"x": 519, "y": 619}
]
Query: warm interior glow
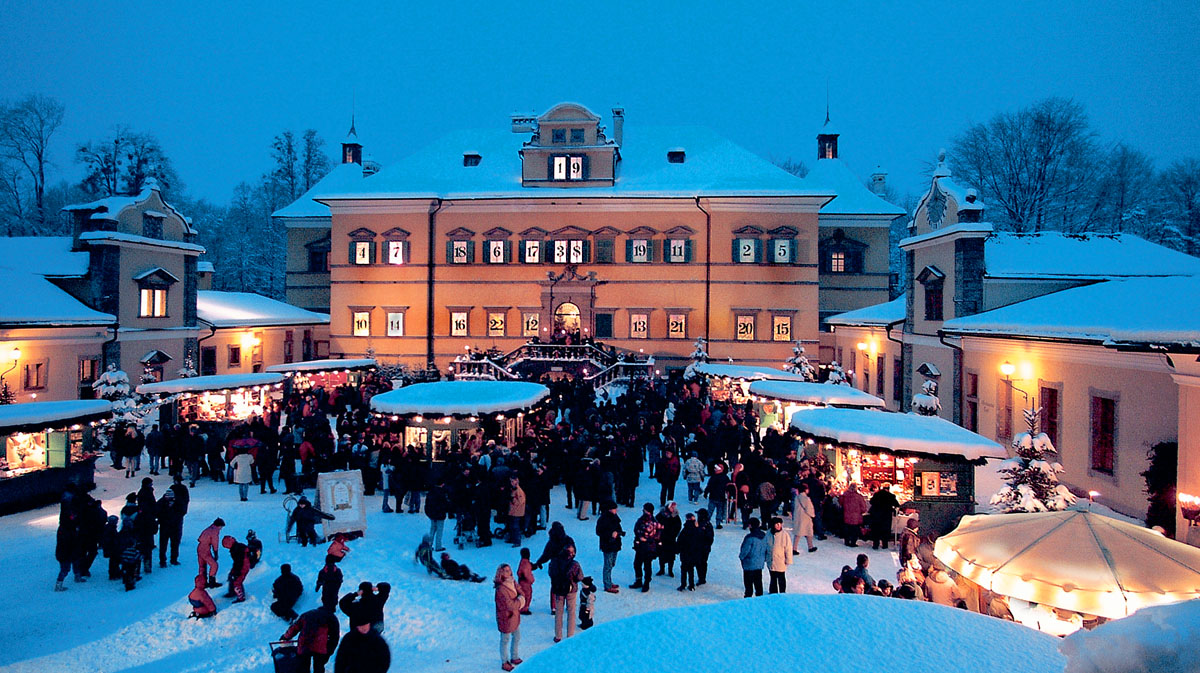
[
  {"x": 1007, "y": 368},
  {"x": 862, "y": 345}
]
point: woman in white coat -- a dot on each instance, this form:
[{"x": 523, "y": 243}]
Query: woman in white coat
[
  {"x": 781, "y": 557},
  {"x": 803, "y": 513}
]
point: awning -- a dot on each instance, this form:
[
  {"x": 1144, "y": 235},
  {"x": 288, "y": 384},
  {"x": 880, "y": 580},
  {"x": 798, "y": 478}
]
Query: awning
[
  {"x": 217, "y": 383},
  {"x": 311, "y": 366},
  {"x": 155, "y": 357},
  {"x": 460, "y": 398},
  {"x": 41, "y": 416},
  {"x": 806, "y": 392},
  {"x": 894, "y": 432}
]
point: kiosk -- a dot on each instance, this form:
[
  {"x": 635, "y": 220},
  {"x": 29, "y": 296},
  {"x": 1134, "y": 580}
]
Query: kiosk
[{"x": 47, "y": 445}]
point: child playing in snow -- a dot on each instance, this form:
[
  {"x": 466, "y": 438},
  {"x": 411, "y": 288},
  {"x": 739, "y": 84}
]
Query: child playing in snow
[
  {"x": 202, "y": 603},
  {"x": 131, "y": 560},
  {"x": 337, "y": 548},
  {"x": 587, "y": 603},
  {"x": 329, "y": 582},
  {"x": 254, "y": 548},
  {"x": 525, "y": 580}
]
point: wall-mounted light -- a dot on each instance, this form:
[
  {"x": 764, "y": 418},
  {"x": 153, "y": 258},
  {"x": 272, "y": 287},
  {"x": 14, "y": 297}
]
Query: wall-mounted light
[
  {"x": 862, "y": 345},
  {"x": 1007, "y": 368}
]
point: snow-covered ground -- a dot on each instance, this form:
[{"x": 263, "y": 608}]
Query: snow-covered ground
[{"x": 432, "y": 625}]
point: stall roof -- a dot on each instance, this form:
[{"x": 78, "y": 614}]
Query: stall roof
[
  {"x": 37, "y": 416},
  {"x": 247, "y": 309},
  {"x": 460, "y": 398},
  {"x": 200, "y": 384},
  {"x": 888, "y": 431},
  {"x": 323, "y": 365},
  {"x": 744, "y": 372},
  {"x": 807, "y": 392}
]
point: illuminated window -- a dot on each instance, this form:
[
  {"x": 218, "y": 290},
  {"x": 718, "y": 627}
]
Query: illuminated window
[
  {"x": 497, "y": 252},
  {"x": 235, "y": 356},
  {"x": 639, "y": 326},
  {"x": 361, "y": 323},
  {"x": 781, "y": 328},
  {"x": 746, "y": 250},
  {"x": 395, "y": 323},
  {"x": 677, "y": 326},
  {"x": 570, "y": 252},
  {"x": 458, "y": 323},
  {"x": 362, "y": 252},
  {"x": 837, "y": 262},
  {"x": 679, "y": 250},
  {"x": 152, "y": 303},
  {"x": 496, "y": 321},
  {"x": 639, "y": 251},
  {"x": 745, "y": 328},
  {"x": 461, "y": 252},
  {"x": 532, "y": 252},
  {"x": 530, "y": 324},
  {"x": 782, "y": 251},
  {"x": 397, "y": 252},
  {"x": 569, "y": 167}
]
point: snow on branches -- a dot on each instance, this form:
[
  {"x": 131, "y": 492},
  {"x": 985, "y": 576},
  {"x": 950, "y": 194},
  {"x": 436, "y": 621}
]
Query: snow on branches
[
  {"x": 1031, "y": 475},
  {"x": 113, "y": 385},
  {"x": 799, "y": 364},
  {"x": 926, "y": 402},
  {"x": 837, "y": 375},
  {"x": 700, "y": 352}
]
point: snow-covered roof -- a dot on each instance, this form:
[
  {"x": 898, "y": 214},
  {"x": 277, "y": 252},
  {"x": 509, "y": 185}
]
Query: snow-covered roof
[
  {"x": 853, "y": 197},
  {"x": 806, "y": 632},
  {"x": 199, "y": 384},
  {"x": 110, "y": 207},
  {"x": 806, "y": 392},
  {"x": 155, "y": 270},
  {"x": 889, "y": 431},
  {"x": 461, "y": 398},
  {"x": 1053, "y": 255},
  {"x": 246, "y": 309},
  {"x": 205, "y": 267},
  {"x": 744, "y": 372},
  {"x": 31, "y": 300},
  {"x": 880, "y": 315},
  {"x": 715, "y": 166},
  {"x": 1161, "y": 311},
  {"x": 323, "y": 365},
  {"x": 43, "y": 255},
  {"x": 112, "y": 236},
  {"x": 342, "y": 178},
  {"x": 37, "y": 416}
]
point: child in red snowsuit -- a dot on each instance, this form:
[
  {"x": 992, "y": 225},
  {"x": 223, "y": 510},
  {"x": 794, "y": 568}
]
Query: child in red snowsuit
[
  {"x": 525, "y": 580},
  {"x": 338, "y": 548},
  {"x": 206, "y": 552},
  {"x": 241, "y": 567},
  {"x": 202, "y": 603}
]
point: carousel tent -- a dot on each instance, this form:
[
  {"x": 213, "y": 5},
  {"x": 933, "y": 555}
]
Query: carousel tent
[
  {"x": 806, "y": 392},
  {"x": 1073, "y": 560},
  {"x": 200, "y": 384},
  {"x": 323, "y": 366},
  {"x": 460, "y": 398},
  {"x": 39, "y": 416},
  {"x": 743, "y": 372},
  {"x": 894, "y": 432}
]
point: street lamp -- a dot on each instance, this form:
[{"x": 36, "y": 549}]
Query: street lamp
[
  {"x": 1008, "y": 369},
  {"x": 14, "y": 354}
]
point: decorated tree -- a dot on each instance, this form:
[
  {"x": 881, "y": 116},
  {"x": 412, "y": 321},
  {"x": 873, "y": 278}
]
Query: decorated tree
[
  {"x": 700, "y": 353},
  {"x": 6, "y": 393},
  {"x": 113, "y": 385},
  {"x": 1031, "y": 476},
  {"x": 926, "y": 402},
  {"x": 188, "y": 370},
  {"x": 799, "y": 364},
  {"x": 837, "y": 375}
]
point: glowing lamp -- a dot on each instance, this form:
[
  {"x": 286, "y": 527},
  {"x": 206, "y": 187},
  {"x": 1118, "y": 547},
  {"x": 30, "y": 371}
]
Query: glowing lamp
[
  {"x": 862, "y": 345},
  {"x": 1007, "y": 368},
  {"x": 1092, "y": 495},
  {"x": 418, "y": 419},
  {"x": 14, "y": 354},
  {"x": 1189, "y": 505}
]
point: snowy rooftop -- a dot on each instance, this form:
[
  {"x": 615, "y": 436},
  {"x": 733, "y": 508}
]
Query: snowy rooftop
[
  {"x": 323, "y": 365},
  {"x": 714, "y": 167},
  {"x": 904, "y": 433},
  {"x": 37, "y": 416},
  {"x": 107, "y": 236},
  {"x": 853, "y": 197},
  {"x": 463, "y": 398},
  {"x": 743, "y": 372},
  {"x": 343, "y": 177},
  {"x": 199, "y": 384},
  {"x": 205, "y": 267},
  {"x": 806, "y": 392},
  {"x": 31, "y": 300},
  {"x": 1082, "y": 256},
  {"x": 887, "y": 313},
  {"x": 1163, "y": 311},
  {"x": 43, "y": 255},
  {"x": 246, "y": 309}
]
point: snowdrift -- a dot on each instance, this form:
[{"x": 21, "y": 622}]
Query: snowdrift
[{"x": 1159, "y": 638}]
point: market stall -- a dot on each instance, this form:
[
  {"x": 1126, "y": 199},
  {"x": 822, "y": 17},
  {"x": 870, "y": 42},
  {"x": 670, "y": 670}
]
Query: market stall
[
  {"x": 1063, "y": 570},
  {"x": 727, "y": 382},
  {"x": 323, "y": 373},
  {"x": 776, "y": 400},
  {"x": 926, "y": 459},
  {"x": 47, "y": 445},
  {"x": 223, "y": 399},
  {"x": 445, "y": 413}
]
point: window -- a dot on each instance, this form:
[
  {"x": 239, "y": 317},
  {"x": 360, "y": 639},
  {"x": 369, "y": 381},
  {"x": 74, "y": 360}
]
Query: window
[
  {"x": 679, "y": 251},
  {"x": 88, "y": 369},
  {"x": 208, "y": 360},
  {"x": 471, "y": 159},
  {"x": 35, "y": 375},
  {"x": 783, "y": 251},
  {"x": 850, "y": 366},
  {"x": 531, "y": 252},
  {"x": 839, "y": 254},
  {"x": 1104, "y": 433},
  {"x": 496, "y": 320},
  {"x": 604, "y": 325},
  {"x": 604, "y": 250},
  {"x": 363, "y": 251},
  {"x": 395, "y": 323},
  {"x": 837, "y": 262},
  {"x": 897, "y": 379},
  {"x": 971, "y": 402},
  {"x": 289, "y": 349},
  {"x": 639, "y": 250},
  {"x": 1050, "y": 412},
  {"x": 361, "y": 324},
  {"x": 781, "y": 328},
  {"x": 460, "y": 252},
  {"x": 677, "y": 326},
  {"x": 570, "y": 252},
  {"x": 639, "y": 326},
  {"x": 235, "y": 356},
  {"x": 152, "y": 303},
  {"x": 497, "y": 252},
  {"x": 458, "y": 323},
  {"x": 577, "y": 136},
  {"x": 397, "y": 252},
  {"x": 1004, "y": 411},
  {"x": 933, "y": 301},
  {"x": 531, "y": 323},
  {"x": 568, "y": 167},
  {"x": 747, "y": 250},
  {"x": 152, "y": 226},
  {"x": 880, "y": 368},
  {"x": 745, "y": 327},
  {"x": 558, "y": 136},
  {"x": 318, "y": 261}
]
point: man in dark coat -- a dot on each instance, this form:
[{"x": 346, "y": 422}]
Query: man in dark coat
[
  {"x": 362, "y": 651},
  {"x": 609, "y": 531},
  {"x": 646, "y": 534},
  {"x": 437, "y": 505},
  {"x": 170, "y": 528},
  {"x": 287, "y": 590},
  {"x": 305, "y": 517},
  {"x": 883, "y": 507},
  {"x": 319, "y": 632},
  {"x": 146, "y": 523}
]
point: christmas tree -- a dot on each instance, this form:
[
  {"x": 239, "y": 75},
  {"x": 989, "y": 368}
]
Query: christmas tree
[
  {"x": 188, "y": 370},
  {"x": 837, "y": 375},
  {"x": 113, "y": 385},
  {"x": 799, "y": 364},
  {"x": 1031, "y": 475},
  {"x": 6, "y": 393},
  {"x": 926, "y": 402},
  {"x": 700, "y": 353}
]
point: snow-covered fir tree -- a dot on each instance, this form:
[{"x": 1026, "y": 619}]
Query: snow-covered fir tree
[
  {"x": 837, "y": 375},
  {"x": 926, "y": 402},
  {"x": 6, "y": 393},
  {"x": 700, "y": 352},
  {"x": 1031, "y": 476},
  {"x": 799, "y": 364},
  {"x": 188, "y": 370},
  {"x": 113, "y": 385}
]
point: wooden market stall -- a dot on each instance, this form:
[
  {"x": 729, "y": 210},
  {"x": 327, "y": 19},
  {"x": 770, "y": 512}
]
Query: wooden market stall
[
  {"x": 928, "y": 460},
  {"x": 729, "y": 382},
  {"x": 215, "y": 402},
  {"x": 777, "y": 401},
  {"x": 323, "y": 373},
  {"x": 47, "y": 445}
]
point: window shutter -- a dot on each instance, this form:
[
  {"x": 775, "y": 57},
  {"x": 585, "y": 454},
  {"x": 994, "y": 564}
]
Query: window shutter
[
  {"x": 521, "y": 245},
  {"x": 550, "y": 168},
  {"x": 629, "y": 250},
  {"x": 470, "y": 252},
  {"x": 795, "y": 256},
  {"x": 650, "y": 250},
  {"x": 587, "y": 173},
  {"x": 406, "y": 250},
  {"x": 758, "y": 250},
  {"x": 350, "y": 253},
  {"x": 449, "y": 252},
  {"x": 587, "y": 245},
  {"x": 507, "y": 252},
  {"x": 687, "y": 250},
  {"x": 374, "y": 250},
  {"x": 733, "y": 251}
]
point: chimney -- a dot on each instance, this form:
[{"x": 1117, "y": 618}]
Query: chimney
[
  {"x": 351, "y": 147},
  {"x": 879, "y": 183},
  {"x": 524, "y": 124},
  {"x": 618, "y": 115}
]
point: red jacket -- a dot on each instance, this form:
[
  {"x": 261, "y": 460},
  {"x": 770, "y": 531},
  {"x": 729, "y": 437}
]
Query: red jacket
[
  {"x": 306, "y": 451},
  {"x": 319, "y": 631},
  {"x": 202, "y": 603},
  {"x": 210, "y": 542}
]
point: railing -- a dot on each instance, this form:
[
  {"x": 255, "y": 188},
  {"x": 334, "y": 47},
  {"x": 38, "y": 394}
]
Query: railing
[
  {"x": 480, "y": 369},
  {"x": 560, "y": 352},
  {"x": 622, "y": 370}
]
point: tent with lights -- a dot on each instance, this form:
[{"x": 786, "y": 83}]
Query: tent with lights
[
  {"x": 221, "y": 398},
  {"x": 1072, "y": 560},
  {"x": 778, "y": 400},
  {"x": 327, "y": 373},
  {"x": 732, "y": 382},
  {"x": 47, "y": 445},
  {"x": 440, "y": 414}
]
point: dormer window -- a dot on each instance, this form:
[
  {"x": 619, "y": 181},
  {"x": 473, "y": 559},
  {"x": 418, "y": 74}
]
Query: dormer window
[
  {"x": 152, "y": 225},
  {"x": 932, "y": 280},
  {"x": 558, "y": 136},
  {"x": 471, "y": 158},
  {"x": 577, "y": 136},
  {"x": 842, "y": 255},
  {"x": 152, "y": 292},
  {"x": 676, "y": 156}
]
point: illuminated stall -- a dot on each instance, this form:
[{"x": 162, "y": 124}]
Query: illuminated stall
[
  {"x": 220, "y": 399},
  {"x": 928, "y": 460},
  {"x": 776, "y": 401},
  {"x": 323, "y": 373},
  {"x": 47, "y": 445},
  {"x": 442, "y": 414},
  {"x": 732, "y": 382}
]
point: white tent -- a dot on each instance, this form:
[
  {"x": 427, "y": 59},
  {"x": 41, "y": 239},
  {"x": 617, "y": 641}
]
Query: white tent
[
  {"x": 460, "y": 398},
  {"x": 807, "y": 392}
]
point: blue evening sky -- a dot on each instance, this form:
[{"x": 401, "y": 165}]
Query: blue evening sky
[{"x": 216, "y": 80}]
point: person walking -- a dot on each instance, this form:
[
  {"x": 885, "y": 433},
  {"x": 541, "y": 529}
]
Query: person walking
[
  {"x": 170, "y": 528},
  {"x": 319, "y": 631},
  {"x": 516, "y": 511},
  {"x": 437, "y": 504},
  {"x": 525, "y": 580},
  {"x": 910, "y": 540},
  {"x": 693, "y": 475},
  {"x": 802, "y": 518},
  {"x": 646, "y": 532},
  {"x": 671, "y": 524},
  {"x": 609, "y": 531},
  {"x": 706, "y": 536},
  {"x": 753, "y": 554},
  {"x": 208, "y": 545},
  {"x": 329, "y": 582},
  {"x": 854, "y": 507},
  {"x": 690, "y": 546},
  {"x": 717, "y": 491},
  {"x": 668, "y": 475},
  {"x": 781, "y": 556},
  {"x": 565, "y": 575},
  {"x": 66, "y": 549},
  {"x": 243, "y": 473},
  {"x": 883, "y": 507},
  {"x": 510, "y": 605}
]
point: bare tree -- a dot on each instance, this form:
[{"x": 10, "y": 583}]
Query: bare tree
[
  {"x": 122, "y": 163},
  {"x": 1181, "y": 202},
  {"x": 314, "y": 163},
  {"x": 26, "y": 128},
  {"x": 285, "y": 178},
  {"x": 794, "y": 166},
  {"x": 1123, "y": 194}
]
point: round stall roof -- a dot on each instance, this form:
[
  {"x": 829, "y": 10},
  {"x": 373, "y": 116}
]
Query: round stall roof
[
  {"x": 202, "y": 384},
  {"x": 743, "y": 372},
  {"x": 888, "y": 431},
  {"x": 323, "y": 366},
  {"x": 39, "y": 416},
  {"x": 807, "y": 392},
  {"x": 460, "y": 398}
]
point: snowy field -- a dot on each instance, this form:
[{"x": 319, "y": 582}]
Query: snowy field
[{"x": 432, "y": 624}]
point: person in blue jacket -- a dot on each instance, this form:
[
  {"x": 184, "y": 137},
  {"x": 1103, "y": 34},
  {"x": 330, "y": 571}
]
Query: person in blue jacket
[{"x": 756, "y": 547}]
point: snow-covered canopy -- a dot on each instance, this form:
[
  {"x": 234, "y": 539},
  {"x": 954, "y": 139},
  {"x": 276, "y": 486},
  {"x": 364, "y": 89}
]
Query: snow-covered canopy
[
  {"x": 32, "y": 300},
  {"x": 853, "y": 197},
  {"x": 1161, "y": 311},
  {"x": 1074, "y": 560},
  {"x": 38, "y": 416},
  {"x": 200, "y": 384},
  {"x": 1054, "y": 254},
  {"x": 744, "y": 372},
  {"x": 876, "y": 315},
  {"x": 1157, "y": 638},
  {"x": 323, "y": 365},
  {"x": 806, "y": 392},
  {"x": 246, "y": 309},
  {"x": 894, "y": 432},
  {"x": 807, "y": 633},
  {"x": 460, "y": 398}
]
